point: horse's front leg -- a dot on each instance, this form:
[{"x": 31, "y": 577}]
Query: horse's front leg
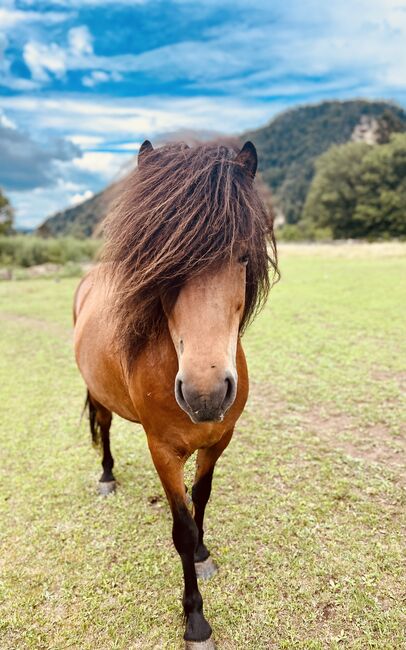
[
  {"x": 185, "y": 538},
  {"x": 206, "y": 460}
]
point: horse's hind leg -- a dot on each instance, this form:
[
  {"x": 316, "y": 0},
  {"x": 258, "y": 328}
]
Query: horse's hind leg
[
  {"x": 206, "y": 460},
  {"x": 100, "y": 422}
]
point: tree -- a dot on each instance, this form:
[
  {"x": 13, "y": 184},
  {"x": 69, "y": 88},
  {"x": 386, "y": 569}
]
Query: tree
[
  {"x": 332, "y": 198},
  {"x": 359, "y": 190},
  {"x": 6, "y": 215},
  {"x": 381, "y": 200},
  {"x": 389, "y": 122}
]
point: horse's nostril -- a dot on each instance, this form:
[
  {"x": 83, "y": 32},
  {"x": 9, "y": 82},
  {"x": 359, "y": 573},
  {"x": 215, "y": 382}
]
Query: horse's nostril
[
  {"x": 230, "y": 392},
  {"x": 179, "y": 392}
]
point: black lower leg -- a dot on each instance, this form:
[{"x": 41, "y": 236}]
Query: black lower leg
[
  {"x": 100, "y": 422},
  {"x": 108, "y": 460},
  {"x": 185, "y": 538},
  {"x": 200, "y": 495}
]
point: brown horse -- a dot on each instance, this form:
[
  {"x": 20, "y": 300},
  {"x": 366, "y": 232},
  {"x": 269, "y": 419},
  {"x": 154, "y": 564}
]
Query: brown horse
[{"x": 157, "y": 326}]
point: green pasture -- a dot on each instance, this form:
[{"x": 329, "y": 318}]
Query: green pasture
[{"x": 307, "y": 515}]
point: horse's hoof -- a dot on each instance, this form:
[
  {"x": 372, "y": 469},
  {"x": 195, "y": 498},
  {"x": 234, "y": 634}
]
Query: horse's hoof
[
  {"x": 106, "y": 487},
  {"x": 206, "y": 569},
  {"x": 200, "y": 645}
]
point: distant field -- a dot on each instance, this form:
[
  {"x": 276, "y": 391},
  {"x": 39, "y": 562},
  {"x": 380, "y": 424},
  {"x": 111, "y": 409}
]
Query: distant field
[{"x": 307, "y": 518}]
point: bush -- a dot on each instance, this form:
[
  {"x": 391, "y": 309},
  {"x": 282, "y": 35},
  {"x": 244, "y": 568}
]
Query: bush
[
  {"x": 25, "y": 251},
  {"x": 303, "y": 231}
]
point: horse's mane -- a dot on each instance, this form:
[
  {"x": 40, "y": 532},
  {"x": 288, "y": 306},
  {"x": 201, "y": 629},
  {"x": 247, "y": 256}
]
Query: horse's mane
[{"x": 182, "y": 210}]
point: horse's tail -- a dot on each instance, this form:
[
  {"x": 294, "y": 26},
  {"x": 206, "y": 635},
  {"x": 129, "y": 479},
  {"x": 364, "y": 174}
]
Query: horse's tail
[{"x": 94, "y": 425}]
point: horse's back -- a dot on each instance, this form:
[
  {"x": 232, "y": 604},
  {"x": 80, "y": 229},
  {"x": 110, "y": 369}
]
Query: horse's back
[{"x": 82, "y": 291}]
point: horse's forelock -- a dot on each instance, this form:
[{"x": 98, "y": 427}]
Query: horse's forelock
[{"x": 183, "y": 209}]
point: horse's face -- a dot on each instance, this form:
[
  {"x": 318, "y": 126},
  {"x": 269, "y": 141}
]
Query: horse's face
[{"x": 204, "y": 325}]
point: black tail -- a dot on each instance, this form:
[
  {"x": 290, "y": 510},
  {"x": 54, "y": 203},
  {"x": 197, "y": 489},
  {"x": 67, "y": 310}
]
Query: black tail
[{"x": 94, "y": 425}]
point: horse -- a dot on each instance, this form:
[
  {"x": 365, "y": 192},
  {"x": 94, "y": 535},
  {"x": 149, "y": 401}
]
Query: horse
[{"x": 186, "y": 266}]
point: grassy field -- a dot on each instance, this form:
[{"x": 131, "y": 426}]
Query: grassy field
[{"x": 307, "y": 516}]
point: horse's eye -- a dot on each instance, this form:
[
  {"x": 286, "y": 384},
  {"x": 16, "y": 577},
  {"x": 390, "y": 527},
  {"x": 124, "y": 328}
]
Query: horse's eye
[{"x": 243, "y": 260}]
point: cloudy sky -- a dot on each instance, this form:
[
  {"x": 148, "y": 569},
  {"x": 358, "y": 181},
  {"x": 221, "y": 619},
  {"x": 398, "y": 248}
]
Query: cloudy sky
[{"x": 83, "y": 82}]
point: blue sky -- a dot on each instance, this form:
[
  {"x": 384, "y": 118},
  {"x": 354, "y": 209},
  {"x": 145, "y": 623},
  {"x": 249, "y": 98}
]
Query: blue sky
[{"x": 83, "y": 82}]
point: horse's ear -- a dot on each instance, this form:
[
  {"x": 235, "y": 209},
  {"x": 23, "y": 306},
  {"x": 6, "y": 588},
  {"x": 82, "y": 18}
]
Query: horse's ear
[
  {"x": 248, "y": 158},
  {"x": 145, "y": 149}
]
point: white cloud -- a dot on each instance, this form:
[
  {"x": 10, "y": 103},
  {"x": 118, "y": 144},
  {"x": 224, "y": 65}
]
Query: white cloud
[
  {"x": 80, "y": 40},
  {"x": 42, "y": 59},
  {"x": 6, "y": 122},
  {"x": 99, "y": 76},
  {"x": 16, "y": 27},
  {"x": 86, "y": 141},
  {"x": 105, "y": 164},
  {"x": 11, "y": 18},
  {"x": 46, "y": 59},
  {"x": 78, "y": 198},
  {"x": 96, "y": 77}
]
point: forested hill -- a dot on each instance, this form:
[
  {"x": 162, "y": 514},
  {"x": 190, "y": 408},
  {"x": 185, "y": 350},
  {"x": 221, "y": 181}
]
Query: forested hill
[
  {"x": 289, "y": 145},
  {"x": 287, "y": 149}
]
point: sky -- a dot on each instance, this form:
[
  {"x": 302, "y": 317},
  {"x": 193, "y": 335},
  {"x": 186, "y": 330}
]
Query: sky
[{"x": 84, "y": 82}]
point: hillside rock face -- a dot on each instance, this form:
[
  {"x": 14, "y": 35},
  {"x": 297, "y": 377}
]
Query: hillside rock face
[
  {"x": 287, "y": 149},
  {"x": 367, "y": 130}
]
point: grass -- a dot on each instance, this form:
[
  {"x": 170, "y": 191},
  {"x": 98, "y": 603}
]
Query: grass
[{"x": 307, "y": 516}]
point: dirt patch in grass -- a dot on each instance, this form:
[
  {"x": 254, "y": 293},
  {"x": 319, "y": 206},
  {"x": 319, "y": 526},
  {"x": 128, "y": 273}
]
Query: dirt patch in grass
[
  {"x": 383, "y": 376},
  {"x": 340, "y": 432},
  {"x": 374, "y": 443}
]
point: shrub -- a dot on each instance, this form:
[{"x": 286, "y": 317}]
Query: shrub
[
  {"x": 25, "y": 251},
  {"x": 303, "y": 231}
]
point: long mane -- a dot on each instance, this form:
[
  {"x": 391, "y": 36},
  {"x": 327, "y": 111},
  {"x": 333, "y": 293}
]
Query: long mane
[{"x": 182, "y": 210}]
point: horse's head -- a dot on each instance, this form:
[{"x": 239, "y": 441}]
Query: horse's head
[
  {"x": 188, "y": 247},
  {"x": 204, "y": 325}
]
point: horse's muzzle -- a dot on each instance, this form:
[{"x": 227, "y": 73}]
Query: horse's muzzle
[{"x": 206, "y": 407}]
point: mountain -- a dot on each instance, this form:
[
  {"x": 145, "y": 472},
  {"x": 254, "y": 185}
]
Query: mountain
[
  {"x": 289, "y": 145},
  {"x": 287, "y": 149}
]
